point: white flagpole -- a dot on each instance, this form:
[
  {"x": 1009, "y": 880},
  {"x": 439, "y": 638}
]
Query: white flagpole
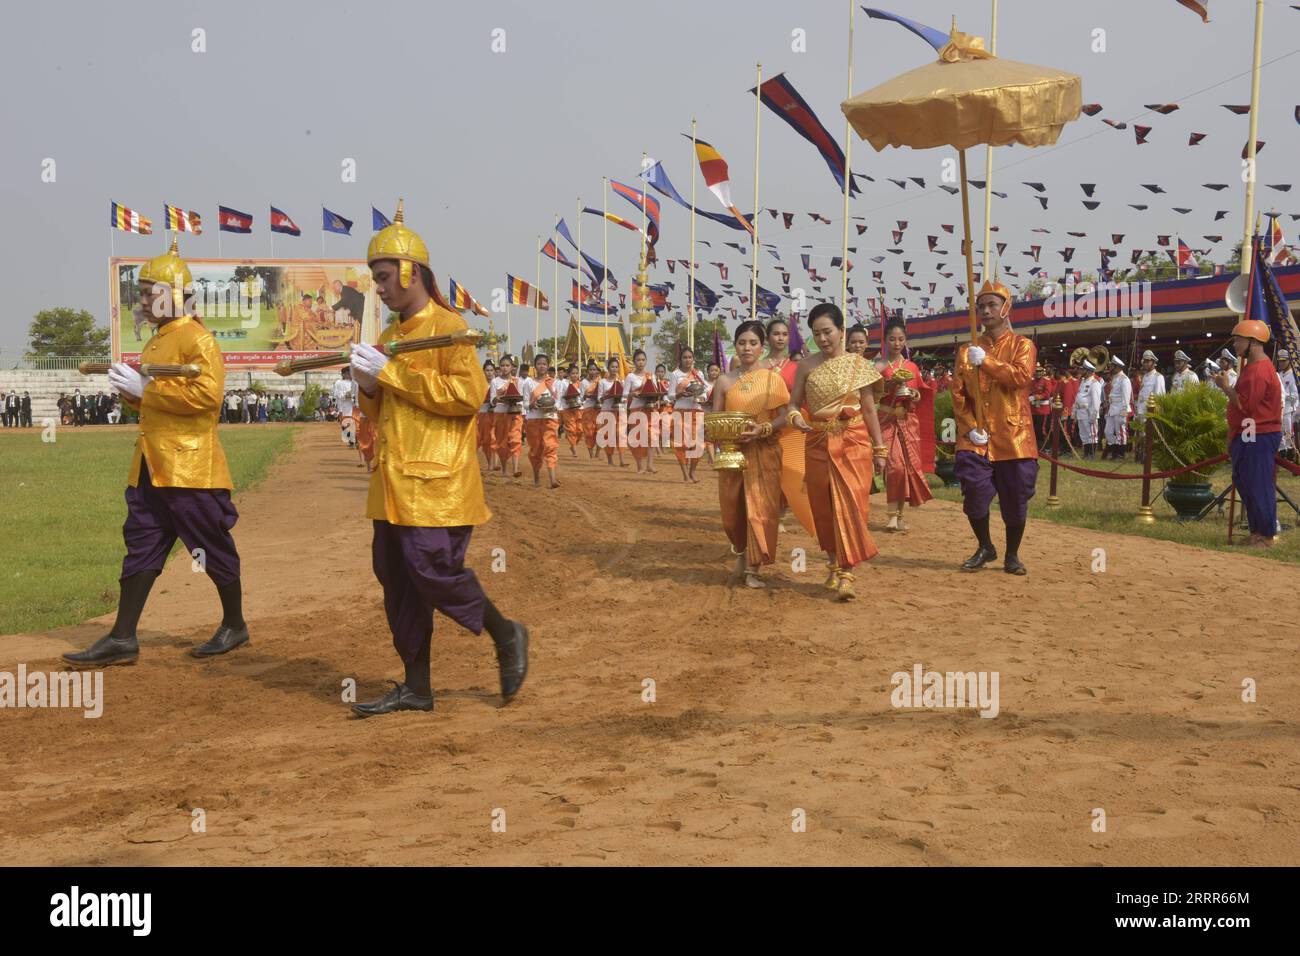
[
  {"x": 1247, "y": 228},
  {"x": 848, "y": 177},
  {"x": 555, "y": 289},
  {"x": 690, "y": 298},
  {"x": 753, "y": 278}
]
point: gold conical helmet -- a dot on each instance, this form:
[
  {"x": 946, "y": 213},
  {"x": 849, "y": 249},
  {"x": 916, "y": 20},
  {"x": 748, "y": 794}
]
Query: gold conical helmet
[
  {"x": 395, "y": 241},
  {"x": 169, "y": 269}
]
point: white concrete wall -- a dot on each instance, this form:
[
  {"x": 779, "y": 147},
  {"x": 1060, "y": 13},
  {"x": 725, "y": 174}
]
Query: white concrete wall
[{"x": 45, "y": 387}]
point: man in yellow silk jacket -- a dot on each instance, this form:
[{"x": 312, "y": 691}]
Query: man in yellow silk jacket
[
  {"x": 426, "y": 493},
  {"x": 996, "y": 450},
  {"x": 179, "y": 485}
]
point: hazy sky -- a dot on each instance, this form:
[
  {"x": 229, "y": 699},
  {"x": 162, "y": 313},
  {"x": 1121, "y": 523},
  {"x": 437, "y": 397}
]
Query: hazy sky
[{"x": 486, "y": 147}]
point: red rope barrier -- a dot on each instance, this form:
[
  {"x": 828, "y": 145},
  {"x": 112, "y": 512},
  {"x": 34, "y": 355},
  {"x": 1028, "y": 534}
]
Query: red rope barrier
[
  {"x": 1091, "y": 473},
  {"x": 1287, "y": 465}
]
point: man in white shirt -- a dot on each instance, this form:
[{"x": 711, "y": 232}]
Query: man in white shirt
[
  {"x": 542, "y": 420},
  {"x": 1153, "y": 384},
  {"x": 232, "y": 406},
  {"x": 1117, "y": 409},
  {"x": 1228, "y": 363},
  {"x": 1183, "y": 374},
  {"x": 1087, "y": 408},
  {"x": 344, "y": 394},
  {"x": 1290, "y": 400}
]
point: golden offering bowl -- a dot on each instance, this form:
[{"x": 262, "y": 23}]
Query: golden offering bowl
[{"x": 724, "y": 430}]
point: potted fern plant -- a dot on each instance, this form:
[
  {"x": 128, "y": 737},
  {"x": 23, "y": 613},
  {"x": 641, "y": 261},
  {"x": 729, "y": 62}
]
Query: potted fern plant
[{"x": 1192, "y": 425}]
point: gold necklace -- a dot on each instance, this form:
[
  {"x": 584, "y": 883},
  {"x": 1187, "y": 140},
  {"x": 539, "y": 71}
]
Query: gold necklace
[{"x": 745, "y": 383}]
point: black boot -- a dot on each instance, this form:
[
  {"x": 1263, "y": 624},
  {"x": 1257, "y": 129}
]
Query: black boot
[
  {"x": 119, "y": 646},
  {"x": 985, "y": 552},
  {"x": 399, "y": 698},
  {"x": 511, "y": 640},
  {"x": 1012, "y": 563},
  {"x": 233, "y": 632}
]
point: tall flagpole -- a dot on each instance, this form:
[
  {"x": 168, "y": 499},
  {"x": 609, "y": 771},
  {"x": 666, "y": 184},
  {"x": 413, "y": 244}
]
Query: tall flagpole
[
  {"x": 753, "y": 278},
  {"x": 555, "y": 290},
  {"x": 848, "y": 177},
  {"x": 604, "y": 279},
  {"x": 690, "y": 298},
  {"x": 537, "y": 302},
  {"x": 988, "y": 166},
  {"x": 577, "y": 298},
  {"x": 1247, "y": 230}
]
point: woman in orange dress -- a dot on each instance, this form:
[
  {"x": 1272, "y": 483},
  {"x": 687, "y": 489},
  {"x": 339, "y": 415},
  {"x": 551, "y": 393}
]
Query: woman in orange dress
[
  {"x": 640, "y": 415},
  {"x": 507, "y": 400},
  {"x": 611, "y": 421},
  {"x": 486, "y": 435},
  {"x": 571, "y": 407},
  {"x": 591, "y": 407},
  {"x": 900, "y": 428},
  {"x": 780, "y": 360},
  {"x": 686, "y": 387},
  {"x": 750, "y": 498},
  {"x": 843, "y": 449},
  {"x": 857, "y": 339}
]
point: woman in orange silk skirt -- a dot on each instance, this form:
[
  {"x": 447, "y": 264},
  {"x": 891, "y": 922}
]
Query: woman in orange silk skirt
[
  {"x": 611, "y": 421},
  {"x": 486, "y": 433},
  {"x": 900, "y": 429},
  {"x": 591, "y": 408},
  {"x": 750, "y": 498},
  {"x": 686, "y": 387},
  {"x": 571, "y": 407},
  {"x": 844, "y": 449},
  {"x": 641, "y": 416},
  {"x": 780, "y": 360},
  {"x": 506, "y": 398}
]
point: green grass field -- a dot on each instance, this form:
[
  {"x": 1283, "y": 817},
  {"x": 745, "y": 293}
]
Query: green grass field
[
  {"x": 1109, "y": 505},
  {"x": 63, "y": 507}
]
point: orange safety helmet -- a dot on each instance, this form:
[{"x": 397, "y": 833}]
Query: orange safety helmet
[{"x": 1251, "y": 329}]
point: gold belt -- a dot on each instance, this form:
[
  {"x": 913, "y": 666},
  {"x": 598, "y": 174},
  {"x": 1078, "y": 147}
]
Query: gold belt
[{"x": 835, "y": 425}]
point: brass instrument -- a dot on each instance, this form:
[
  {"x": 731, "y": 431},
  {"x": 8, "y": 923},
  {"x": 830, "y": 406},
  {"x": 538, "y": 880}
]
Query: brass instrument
[
  {"x": 470, "y": 337},
  {"x": 1098, "y": 355}
]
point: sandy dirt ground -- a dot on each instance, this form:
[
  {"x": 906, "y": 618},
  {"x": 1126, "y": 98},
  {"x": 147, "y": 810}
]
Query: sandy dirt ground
[{"x": 1119, "y": 690}]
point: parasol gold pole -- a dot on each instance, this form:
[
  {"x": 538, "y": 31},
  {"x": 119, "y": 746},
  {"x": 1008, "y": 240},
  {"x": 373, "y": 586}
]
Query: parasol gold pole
[
  {"x": 604, "y": 232},
  {"x": 753, "y": 269},
  {"x": 988, "y": 164},
  {"x": 577, "y": 299},
  {"x": 537, "y": 302},
  {"x": 848, "y": 178},
  {"x": 690, "y": 295},
  {"x": 970, "y": 252},
  {"x": 1250, "y": 143},
  {"x": 509, "y": 337}
]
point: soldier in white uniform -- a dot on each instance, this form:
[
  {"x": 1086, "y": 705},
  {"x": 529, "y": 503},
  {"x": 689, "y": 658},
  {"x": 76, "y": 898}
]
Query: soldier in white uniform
[
  {"x": 1153, "y": 384},
  {"x": 1117, "y": 409},
  {"x": 1228, "y": 363},
  {"x": 1183, "y": 374},
  {"x": 1087, "y": 407},
  {"x": 344, "y": 393},
  {"x": 1290, "y": 400}
]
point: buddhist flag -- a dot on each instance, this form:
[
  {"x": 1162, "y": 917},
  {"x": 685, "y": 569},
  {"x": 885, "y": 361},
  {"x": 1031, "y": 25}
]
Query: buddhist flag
[
  {"x": 780, "y": 96},
  {"x": 615, "y": 219},
  {"x": 333, "y": 222},
  {"x": 521, "y": 293},
  {"x": 181, "y": 220},
  {"x": 716, "y": 177},
  {"x": 232, "y": 220},
  {"x": 128, "y": 220},
  {"x": 282, "y": 223},
  {"x": 462, "y": 300}
]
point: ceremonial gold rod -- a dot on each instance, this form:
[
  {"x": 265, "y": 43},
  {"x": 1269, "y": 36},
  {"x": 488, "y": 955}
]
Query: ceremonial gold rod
[
  {"x": 152, "y": 370},
  {"x": 470, "y": 337}
]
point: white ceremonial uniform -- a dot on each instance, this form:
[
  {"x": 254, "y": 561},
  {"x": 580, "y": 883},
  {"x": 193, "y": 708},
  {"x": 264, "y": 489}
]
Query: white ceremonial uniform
[
  {"x": 1121, "y": 399},
  {"x": 1087, "y": 406},
  {"x": 1290, "y": 406},
  {"x": 1153, "y": 383},
  {"x": 344, "y": 393},
  {"x": 1183, "y": 379}
]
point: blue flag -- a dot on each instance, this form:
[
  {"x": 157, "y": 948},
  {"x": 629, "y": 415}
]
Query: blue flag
[
  {"x": 936, "y": 38},
  {"x": 378, "y": 220},
  {"x": 563, "y": 230},
  {"x": 333, "y": 222}
]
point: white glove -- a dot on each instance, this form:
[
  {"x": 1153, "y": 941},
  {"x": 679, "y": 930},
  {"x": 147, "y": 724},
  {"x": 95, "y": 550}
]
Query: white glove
[
  {"x": 975, "y": 355},
  {"x": 978, "y": 436},
  {"x": 367, "y": 364},
  {"x": 127, "y": 380}
]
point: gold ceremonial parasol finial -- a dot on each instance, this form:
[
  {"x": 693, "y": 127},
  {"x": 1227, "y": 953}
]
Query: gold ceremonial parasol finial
[
  {"x": 398, "y": 216},
  {"x": 967, "y": 97}
]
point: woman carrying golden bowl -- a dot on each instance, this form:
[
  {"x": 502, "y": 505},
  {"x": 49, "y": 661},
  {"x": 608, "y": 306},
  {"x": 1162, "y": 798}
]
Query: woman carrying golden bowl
[
  {"x": 844, "y": 449},
  {"x": 900, "y": 428},
  {"x": 750, "y": 497}
]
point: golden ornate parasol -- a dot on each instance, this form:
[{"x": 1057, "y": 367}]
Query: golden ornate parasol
[{"x": 967, "y": 97}]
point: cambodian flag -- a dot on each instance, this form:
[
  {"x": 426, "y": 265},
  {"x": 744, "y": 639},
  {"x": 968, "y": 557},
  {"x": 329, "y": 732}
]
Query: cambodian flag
[
  {"x": 282, "y": 223},
  {"x": 642, "y": 200},
  {"x": 553, "y": 252},
  {"x": 784, "y": 100},
  {"x": 232, "y": 220}
]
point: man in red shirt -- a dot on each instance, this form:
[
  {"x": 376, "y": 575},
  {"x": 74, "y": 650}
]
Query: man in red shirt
[{"x": 1254, "y": 428}]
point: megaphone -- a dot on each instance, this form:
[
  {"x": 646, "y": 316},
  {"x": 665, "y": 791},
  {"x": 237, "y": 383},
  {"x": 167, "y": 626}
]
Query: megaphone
[{"x": 1237, "y": 294}]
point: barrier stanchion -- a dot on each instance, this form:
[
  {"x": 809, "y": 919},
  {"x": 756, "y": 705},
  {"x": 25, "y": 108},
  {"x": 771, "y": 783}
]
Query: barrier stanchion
[
  {"x": 1144, "y": 515},
  {"x": 1052, "y": 500}
]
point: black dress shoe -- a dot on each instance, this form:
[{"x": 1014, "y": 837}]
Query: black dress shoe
[
  {"x": 1013, "y": 565},
  {"x": 981, "y": 557},
  {"x": 106, "y": 651},
  {"x": 399, "y": 698},
  {"x": 224, "y": 640},
  {"x": 512, "y": 660}
]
